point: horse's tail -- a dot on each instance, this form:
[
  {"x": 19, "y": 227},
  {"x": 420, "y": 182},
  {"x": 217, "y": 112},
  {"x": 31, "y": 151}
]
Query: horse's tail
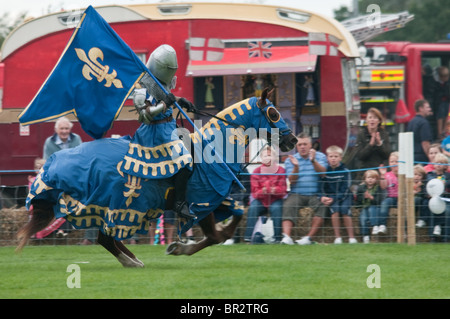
[{"x": 41, "y": 218}]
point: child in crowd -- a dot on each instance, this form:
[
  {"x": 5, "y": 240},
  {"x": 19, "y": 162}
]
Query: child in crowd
[
  {"x": 434, "y": 149},
  {"x": 439, "y": 224},
  {"x": 420, "y": 176},
  {"x": 388, "y": 182},
  {"x": 38, "y": 163},
  {"x": 55, "y": 226},
  {"x": 445, "y": 144},
  {"x": 268, "y": 192},
  {"x": 336, "y": 193},
  {"x": 368, "y": 197}
]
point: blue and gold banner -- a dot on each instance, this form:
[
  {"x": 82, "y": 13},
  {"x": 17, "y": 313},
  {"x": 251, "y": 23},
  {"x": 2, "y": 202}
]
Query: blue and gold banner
[{"x": 92, "y": 79}]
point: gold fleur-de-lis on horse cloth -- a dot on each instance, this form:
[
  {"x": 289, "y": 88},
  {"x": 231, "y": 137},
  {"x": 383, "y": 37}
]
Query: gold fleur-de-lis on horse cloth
[
  {"x": 134, "y": 183},
  {"x": 237, "y": 134},
  {"x": 95, "y": 68}
]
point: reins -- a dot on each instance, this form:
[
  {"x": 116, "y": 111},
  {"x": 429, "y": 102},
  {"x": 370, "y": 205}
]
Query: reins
[
  {"x": 235, "y": 125},
  {"x": 216, "y": 117}
]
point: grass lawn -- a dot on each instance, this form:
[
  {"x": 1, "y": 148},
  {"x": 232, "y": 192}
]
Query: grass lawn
[{"x": 236, "y": 272}]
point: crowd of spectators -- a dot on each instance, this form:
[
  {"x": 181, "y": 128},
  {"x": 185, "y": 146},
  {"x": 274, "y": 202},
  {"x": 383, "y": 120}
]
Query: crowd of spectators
[{"x": 323, "y": 183}]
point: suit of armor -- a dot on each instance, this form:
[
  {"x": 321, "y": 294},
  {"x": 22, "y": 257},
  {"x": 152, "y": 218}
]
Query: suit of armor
[{"x": 156, "y": 150}]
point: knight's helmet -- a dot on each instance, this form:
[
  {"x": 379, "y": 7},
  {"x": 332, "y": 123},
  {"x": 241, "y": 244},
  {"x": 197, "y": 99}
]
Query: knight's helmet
[{"x": 163, "y": 65}]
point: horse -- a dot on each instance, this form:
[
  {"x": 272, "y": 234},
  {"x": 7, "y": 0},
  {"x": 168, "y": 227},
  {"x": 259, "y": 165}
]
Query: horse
[{"x": 87, "y": 187}]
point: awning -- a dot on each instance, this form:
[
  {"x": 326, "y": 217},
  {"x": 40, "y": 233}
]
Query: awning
[{"x": 284, "y": 59}]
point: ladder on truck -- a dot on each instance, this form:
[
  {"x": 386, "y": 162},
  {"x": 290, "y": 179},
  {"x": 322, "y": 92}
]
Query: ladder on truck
[{"x": 366, "y": 27}]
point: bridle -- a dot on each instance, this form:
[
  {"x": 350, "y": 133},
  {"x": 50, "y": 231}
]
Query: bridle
[{"x": 272, "y": 116}]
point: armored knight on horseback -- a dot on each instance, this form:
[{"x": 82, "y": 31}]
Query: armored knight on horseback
[
  {"x": 155, "y": 145},
  {"x": 120, "y": 185}
]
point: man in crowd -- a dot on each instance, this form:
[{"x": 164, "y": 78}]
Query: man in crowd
[
  {"x": 302, "y": 169},
  {"x": 420, "y": 126}
]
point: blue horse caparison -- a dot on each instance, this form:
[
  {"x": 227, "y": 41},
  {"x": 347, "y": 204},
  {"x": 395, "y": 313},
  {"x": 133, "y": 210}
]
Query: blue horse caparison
[{"x": 86, "y": 186}]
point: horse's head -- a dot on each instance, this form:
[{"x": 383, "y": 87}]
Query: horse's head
[{"x": 272, "y": 119}]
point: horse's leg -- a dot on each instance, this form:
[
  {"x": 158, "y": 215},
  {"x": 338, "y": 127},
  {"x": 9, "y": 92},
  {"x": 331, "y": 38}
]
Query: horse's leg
[
  {"x": 125, "y": 257},
  {"x": 230, "y": 229},
  {"x": 120, "y": 245},
  {"x": 41, "y": 217},
  {"x": 212, "y": 237}
]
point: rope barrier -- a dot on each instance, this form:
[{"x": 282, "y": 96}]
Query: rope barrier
[
  {"x": 18, "y": 171},
  {"x": 320, "y": 173}
]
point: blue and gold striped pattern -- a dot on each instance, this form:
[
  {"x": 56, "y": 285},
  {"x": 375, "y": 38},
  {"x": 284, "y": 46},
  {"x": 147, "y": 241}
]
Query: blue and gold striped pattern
[{"x": 155, "y": 162}]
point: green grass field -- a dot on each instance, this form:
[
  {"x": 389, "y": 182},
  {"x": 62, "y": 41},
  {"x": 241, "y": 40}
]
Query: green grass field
[{"x": 238, "y": 271}]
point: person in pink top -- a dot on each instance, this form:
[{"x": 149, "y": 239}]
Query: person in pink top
[
  {"x": 388, "y": 182},
  {"x": 268, "y": 188}
]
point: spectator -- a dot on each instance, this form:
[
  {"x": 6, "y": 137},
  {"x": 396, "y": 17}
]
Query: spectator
[
  {"x": 439, "y": 224},
  {"x": 336, "y": 193},
  {"x": 242, "y": 198},
  {"x": 162, "y": 228},
  {"x": 434, "y": 149},
  {"x": 302, "y": 169},
  {"x": 368, "y": 197},
  {"x": 445, "y": 144},
  {"x": 420, "y": 126},
  {"x": 441, "y": 99},
  {"x": 420, "y": 176},
  {"x": 428, "y": 82},
  {"x": 388, "y": 182},
  {"x": 268, "y": 192},
  {"x": 38, "y": 163},
  {"x": 372, "y": 143},
  {"x": 189, "y": 237},
  {"x": 90, "y": 236},
  {"x": 56, "y": 225},
  {"x": 62, "y": 139}
]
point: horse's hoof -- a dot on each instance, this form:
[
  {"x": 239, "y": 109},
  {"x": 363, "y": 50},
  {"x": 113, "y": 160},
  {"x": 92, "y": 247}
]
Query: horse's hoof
[
  {"x": 174, "y": 248},
  {"x": 138, "y": 262},
  {"x": 129, "y": 262}
]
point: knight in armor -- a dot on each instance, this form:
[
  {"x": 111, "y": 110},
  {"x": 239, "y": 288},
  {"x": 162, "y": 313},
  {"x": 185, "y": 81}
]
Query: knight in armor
[{"x": 156, "y": 151}]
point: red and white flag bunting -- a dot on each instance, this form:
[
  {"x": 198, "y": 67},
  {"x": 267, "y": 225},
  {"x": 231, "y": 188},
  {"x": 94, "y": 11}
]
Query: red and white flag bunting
[
  {"x": 201, "y": 49},
  {"x": 323, "y": 44}
]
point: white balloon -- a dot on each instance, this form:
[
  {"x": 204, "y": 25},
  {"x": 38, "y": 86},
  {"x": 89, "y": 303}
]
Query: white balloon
[
  {"x": 435, "y": 187},
  {"x": 436, "y": 205}
]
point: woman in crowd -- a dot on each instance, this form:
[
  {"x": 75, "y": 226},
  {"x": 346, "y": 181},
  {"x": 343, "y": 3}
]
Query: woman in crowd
[{"x": 372, "y": 143}]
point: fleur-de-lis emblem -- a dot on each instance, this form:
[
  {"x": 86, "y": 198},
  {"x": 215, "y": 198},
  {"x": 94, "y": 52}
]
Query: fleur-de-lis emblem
[
  {"x": 95, "y": 68},
  {"x": 237, "y": 134},
  {"x": 134, "y": 183}
]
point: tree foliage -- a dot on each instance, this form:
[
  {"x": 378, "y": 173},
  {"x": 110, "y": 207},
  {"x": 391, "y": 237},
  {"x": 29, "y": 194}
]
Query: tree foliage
[{"x": 8, "y": 23}]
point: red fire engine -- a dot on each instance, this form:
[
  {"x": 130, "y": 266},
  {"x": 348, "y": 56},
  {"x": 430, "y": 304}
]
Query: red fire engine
[
  {"x": 308, "y": 58},
  {"x": 393, "y": 75}
]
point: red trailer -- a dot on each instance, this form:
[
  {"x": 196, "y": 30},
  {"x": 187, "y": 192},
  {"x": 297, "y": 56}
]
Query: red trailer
[{"x": 308, "y": 58}]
